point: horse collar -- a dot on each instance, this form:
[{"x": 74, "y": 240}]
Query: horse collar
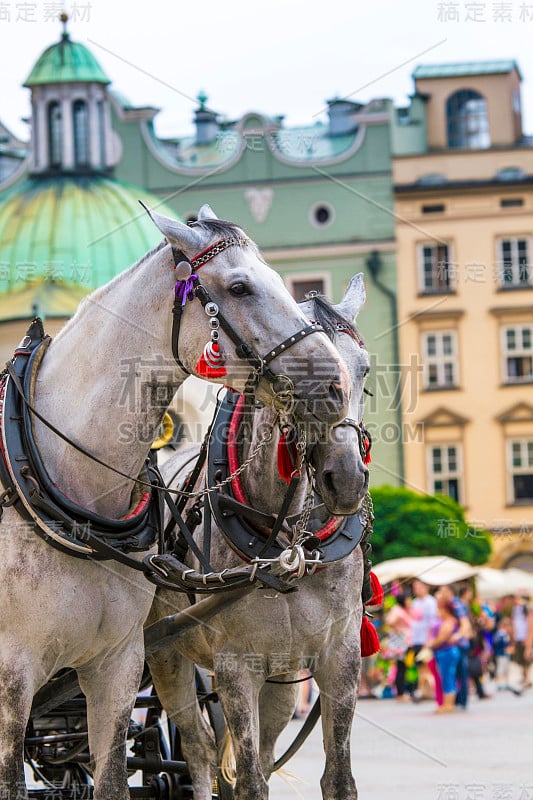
[
  {"x": 246, "y": 529},
  {"x": 53, "y": 515}
]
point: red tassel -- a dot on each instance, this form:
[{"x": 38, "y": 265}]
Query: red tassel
[
  {"x": 205, "y": 370},
  {"x": 367, "y": 444},
  {"x": 377, "y": 591},
  {"x": 369, "y": 638},
  {"x": 287, "y": 455}
]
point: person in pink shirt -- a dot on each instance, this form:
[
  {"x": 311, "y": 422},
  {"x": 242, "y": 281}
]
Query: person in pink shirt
[
  {"x": 399, "y": 623},
  {"x": 424, "y": 615}
]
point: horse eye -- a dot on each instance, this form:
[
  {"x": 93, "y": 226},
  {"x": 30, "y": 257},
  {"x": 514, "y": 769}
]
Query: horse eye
[{"x": 239, "y": 289}]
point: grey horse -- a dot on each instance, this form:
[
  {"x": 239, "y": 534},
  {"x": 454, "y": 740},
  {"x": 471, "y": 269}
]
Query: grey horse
[{"x": 268, "y": 635}]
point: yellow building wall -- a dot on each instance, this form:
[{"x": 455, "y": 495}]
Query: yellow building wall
[
  {"x": 505, "y": 123},
  {"x": 471, "y": 224},
  {"x": 462, "y": 165}
]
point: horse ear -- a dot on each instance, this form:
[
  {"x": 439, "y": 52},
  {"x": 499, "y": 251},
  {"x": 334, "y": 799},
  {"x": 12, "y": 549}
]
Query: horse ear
[
  {"x": 177, "y": 233},
  {"x": 206, "y": 212},
  {"x": 354, "y": 298}
]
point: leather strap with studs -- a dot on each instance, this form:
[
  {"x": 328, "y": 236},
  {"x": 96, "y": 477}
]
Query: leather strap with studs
[{"x": 314, "y": 327}]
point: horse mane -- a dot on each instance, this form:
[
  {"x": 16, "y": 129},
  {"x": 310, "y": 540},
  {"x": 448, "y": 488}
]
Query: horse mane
[
  {"x": 327, "y": 315},
  {"x": 225, "y": 229},
  {"x": 221, "y": 227}
]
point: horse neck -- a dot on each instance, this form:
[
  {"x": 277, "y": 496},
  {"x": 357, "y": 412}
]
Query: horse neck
[
  {"x": 262, "y": 485},
  {"x": 98, "y": 382}
]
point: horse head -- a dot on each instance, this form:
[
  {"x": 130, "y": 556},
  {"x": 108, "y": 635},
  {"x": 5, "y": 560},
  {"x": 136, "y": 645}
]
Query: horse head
[
  {"x": 338, "y": 455},
  {"x": 252, "y": 331}
]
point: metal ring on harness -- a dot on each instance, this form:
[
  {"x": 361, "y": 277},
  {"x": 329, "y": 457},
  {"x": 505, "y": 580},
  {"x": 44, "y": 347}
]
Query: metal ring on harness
[
  {"x": 283, "y": 398},
  {"x": 293, "y": 560}
]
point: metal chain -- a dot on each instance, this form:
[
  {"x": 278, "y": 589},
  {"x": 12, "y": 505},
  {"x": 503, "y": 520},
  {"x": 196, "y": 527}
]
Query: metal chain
[
  {"x": 266, "y": 439},
  {"x": 299, "y": 528},
  {"x": 369, "y": 511}
]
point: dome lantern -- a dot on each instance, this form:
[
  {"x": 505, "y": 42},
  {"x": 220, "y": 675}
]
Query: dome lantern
[{"x": 70, "y": 109}]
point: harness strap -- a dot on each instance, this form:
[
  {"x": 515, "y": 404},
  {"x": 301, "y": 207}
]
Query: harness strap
[
  {"x": 243, "y": 350},
  {"x": 284, "y": 510},
  {"x": 185, "y": 532},
  {"x": 313, "y": 327},
  {"x": 309, "y": 723},
  {"x": 229, "y": 503}
]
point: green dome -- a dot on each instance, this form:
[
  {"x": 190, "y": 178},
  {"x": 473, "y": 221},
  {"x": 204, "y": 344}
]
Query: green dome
[
  {"x": 66, "y": 62},
  {"x": 69, "y": 232}
]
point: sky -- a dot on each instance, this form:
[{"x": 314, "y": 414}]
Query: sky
[{"x": 282, "y": 57}]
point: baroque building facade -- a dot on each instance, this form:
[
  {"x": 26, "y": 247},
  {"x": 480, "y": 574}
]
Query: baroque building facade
[{"x": 464, "y": 200}]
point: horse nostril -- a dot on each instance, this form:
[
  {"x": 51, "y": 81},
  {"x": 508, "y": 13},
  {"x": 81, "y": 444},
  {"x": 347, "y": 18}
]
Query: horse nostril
[
  {"x": 327, "y": 477},
  {"x": 336, "y": 392}
]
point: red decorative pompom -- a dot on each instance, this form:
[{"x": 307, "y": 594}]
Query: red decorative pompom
[
  {"x": 213, "y": 365},
  {"x": 369, "y": 638},
  {"x": 287, "y": 456},
  {"x": 377, "y": 591}
]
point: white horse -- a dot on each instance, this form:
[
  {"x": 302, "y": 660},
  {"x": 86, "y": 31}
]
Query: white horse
[
  {"x": 113, "y": 364},
  {"x": 268, "y": 634}
]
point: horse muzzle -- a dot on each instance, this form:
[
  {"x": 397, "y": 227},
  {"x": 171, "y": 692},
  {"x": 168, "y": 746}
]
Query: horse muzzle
[{"x": 340, "y": 474}]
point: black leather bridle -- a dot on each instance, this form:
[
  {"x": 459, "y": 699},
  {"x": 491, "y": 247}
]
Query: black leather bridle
[{"x": 260, "y": 365}]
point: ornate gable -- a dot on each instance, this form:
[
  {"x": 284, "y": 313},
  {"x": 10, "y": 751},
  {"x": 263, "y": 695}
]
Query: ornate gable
[{"x": 443, "y": 418}]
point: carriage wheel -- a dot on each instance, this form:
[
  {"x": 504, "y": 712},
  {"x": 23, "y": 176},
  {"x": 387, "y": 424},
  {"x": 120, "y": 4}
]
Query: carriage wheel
[{"x": 56, "y": 751}]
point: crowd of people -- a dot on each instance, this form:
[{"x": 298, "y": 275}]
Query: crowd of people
[{"x": 444, "y": 643}]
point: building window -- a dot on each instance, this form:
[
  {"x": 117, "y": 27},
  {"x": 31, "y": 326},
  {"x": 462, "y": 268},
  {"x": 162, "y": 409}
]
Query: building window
[
  {"x": 300, "y": 288},
  {"x": 514, "y": 268},
  {"x": 101, "y": 132},
  {"x": 520, "y": 455},
  {"x": 517, "y": 349},
  {"x": 441, "y": 369},
  {"x": 467, "y": 120},
  {"x": 444, "y": 470},
  {"x": 511, "y": 202},
  {"x": 433, "y": 208},
  {"x": 436, "y": 271},
  {"x": 54, "y": 135},
  {"x": 299, "y": 283},
  {"x": 81, "y": 133}
]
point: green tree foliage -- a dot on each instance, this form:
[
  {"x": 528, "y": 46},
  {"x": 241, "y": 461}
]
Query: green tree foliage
[{"x": 411, "y": 524}]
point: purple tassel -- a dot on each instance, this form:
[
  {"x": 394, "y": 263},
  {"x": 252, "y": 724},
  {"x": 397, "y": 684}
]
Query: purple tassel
[{"x": 184, "y": 289}]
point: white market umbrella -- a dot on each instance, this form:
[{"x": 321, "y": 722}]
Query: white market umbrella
[
  {"x": 433, "y": 570},
  {"x": 497, "y": 583}
]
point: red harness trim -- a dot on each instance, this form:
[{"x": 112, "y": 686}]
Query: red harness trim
[
  {"x": 329, "y": 528},
  {"x": 233, "y": 453},
  {"x": 204, "y": 253},
  {"x": 139, "y": 508},
  {"x": 236, "y": 484}
]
